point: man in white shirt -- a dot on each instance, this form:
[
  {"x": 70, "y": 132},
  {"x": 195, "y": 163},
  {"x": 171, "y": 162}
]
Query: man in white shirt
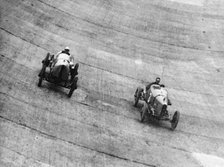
[{"x": 64, "y": 54}]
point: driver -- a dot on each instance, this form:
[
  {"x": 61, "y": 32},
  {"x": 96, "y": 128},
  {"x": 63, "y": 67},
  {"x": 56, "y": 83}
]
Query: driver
[
  {"x": 64, "y": 54},
  {"x": 157, "y": 82},
  {"x": 66, "y": 51},
  {"x": 147, "y": 87}
]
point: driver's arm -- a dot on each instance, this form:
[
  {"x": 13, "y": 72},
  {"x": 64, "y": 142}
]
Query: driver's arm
[{"x": 71, "y": 59}]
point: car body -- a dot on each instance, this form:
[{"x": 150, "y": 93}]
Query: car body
[
  {"x": 155, "y": 104},
  {"x": 60, "y": 71}
]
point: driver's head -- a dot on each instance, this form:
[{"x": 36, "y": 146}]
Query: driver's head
[
  {"x": 66, "y": 49},
  {"x": 157, "y": 80}
]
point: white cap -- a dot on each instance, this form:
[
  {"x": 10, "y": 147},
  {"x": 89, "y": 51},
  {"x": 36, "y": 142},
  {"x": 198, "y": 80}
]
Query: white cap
[{"x": 67, "y": 48}]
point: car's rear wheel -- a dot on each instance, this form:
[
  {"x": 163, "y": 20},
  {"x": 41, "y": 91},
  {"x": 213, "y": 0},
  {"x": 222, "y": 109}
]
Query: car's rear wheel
[
  {"x": 175, "y": 120},
  {"x": 143, "y": 112},
  {"x": 137, "y": 96},
  {"x": 46, "y": 61},
  {"x": 73, "y": 87},
  {"x": 143, "y": 116},
  {"x": 41, "y": 76},
  {"x": 40, "y": 81}
]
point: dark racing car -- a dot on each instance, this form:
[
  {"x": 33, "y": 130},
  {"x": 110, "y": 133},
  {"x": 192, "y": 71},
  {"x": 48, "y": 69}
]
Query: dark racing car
[{"x": 59, "y": 70}]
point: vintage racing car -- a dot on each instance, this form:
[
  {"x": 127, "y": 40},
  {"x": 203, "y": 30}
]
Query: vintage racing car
[
  {"x": 59, "y": 71},
  {"x": 155, "y": 103}
]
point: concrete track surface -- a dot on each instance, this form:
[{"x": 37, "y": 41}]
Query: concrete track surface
[{"x": 119, "y": 44}]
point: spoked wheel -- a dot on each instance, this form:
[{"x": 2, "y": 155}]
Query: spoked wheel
[
  {"x": 175, "y": 120},
  {"x": 76, "y": 68},
  {"x": 143, "y": 115},
  {"x": 74, "y": 71},
  {"x": 40, "y": 81},
  {"x": 73, "y": 87},
  {"x": 41, "y": 75},
  {"x": 137, "y": 96},
  {"x": 144, "y": 111},
  {"x": 46, "y": 61}
]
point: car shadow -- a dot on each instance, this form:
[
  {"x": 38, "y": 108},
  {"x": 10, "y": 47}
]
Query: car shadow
[{"x": 51, "y": 87}]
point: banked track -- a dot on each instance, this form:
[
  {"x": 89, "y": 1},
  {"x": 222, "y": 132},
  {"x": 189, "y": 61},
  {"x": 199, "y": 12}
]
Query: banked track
[{"x": 120, "y": 45}]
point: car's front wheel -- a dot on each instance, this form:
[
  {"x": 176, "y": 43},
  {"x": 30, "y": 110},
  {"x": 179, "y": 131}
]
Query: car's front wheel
[
  {"x": 46, "y": 60},
  {"x": 73, "y": 86},
  {"x": 175, "y": 120}
]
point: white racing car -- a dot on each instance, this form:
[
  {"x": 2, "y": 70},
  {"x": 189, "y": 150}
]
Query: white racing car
[{"x": 155, "y": 103}]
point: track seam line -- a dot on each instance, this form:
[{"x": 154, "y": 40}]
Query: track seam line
[
  {"x": 92, "y": 106},
  {"x": 106, "y": 27},
  {"x": 54, "y": 113},
  {"x": 82, "y": 103},
  {"x": 97, "y": 92},
  {"x": 25, "y": 156},
  {"x": 92, "y": 125},
  {"x": 109, "y": 71},
  {"x": 75, "y": 144}
]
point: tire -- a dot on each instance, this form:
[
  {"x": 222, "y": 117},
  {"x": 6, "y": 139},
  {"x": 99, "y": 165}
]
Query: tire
[
  {"x": 74, "y": 71},
  {"x": 41, "y": 76},
  {"x": 76, "y": 68},
  {"x": 143, "y": 113},
  {"x": 137, "y": 96},
  {"x": 46, "y": 61},
  {"x": 175, "y": 120},
  {"x": 40, "y": 81},
  {"x": 73, "y": 87},
  {"x": 142, "y": 116}
]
